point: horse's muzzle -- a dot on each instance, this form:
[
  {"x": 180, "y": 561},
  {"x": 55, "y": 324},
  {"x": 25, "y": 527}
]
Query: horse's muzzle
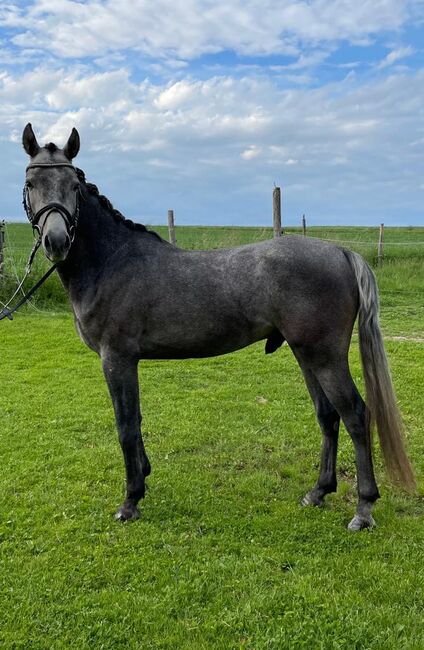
[{"x": 56, "y": 243}]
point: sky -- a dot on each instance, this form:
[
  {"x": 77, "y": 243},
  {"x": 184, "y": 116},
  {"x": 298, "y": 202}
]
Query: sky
[{"x": 202, "y": 106}]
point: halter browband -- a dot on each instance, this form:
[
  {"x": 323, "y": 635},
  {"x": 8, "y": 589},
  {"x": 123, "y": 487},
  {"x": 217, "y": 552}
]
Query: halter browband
[{"x": 47, "y": 164}]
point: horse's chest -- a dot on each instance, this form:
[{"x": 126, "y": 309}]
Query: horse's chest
[{"x": 86, "y": 334}]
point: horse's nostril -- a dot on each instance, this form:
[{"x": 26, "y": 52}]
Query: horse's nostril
[{"x": 46, "y": 241}]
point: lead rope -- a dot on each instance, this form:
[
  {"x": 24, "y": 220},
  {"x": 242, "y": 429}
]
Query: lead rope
[{"x": 6, "y": 312}]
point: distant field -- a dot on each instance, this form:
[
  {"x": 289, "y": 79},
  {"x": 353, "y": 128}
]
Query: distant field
[{"x": 400, "y": 279}]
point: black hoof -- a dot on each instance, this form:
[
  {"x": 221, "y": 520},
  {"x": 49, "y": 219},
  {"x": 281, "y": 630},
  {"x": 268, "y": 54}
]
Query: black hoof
[{"x": 127, "y": 512}]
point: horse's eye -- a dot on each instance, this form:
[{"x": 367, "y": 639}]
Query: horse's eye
[
  {"x": 75, "y": 187},
  {"x": 29, "y": 185}
]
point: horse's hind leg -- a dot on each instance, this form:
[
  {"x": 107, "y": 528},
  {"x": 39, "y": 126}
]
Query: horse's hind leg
[
  {"x": 329, "y": 421},
  {"x": 122, "y": 380},
  {"x": 337, "y": 383}
]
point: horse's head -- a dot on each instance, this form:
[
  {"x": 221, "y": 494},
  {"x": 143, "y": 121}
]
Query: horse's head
[{"x": 51, "y": 192}]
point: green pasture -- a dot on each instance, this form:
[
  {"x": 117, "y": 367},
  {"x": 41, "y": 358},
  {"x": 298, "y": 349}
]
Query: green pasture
[{"x": 223, "y": 556}]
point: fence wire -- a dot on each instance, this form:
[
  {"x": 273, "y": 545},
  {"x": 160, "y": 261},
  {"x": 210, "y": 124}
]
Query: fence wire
[{"x": 12, "y": 253}]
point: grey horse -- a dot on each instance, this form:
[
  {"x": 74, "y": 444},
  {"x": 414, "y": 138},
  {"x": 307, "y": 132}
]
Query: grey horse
[{"x": 134, "y": 296}]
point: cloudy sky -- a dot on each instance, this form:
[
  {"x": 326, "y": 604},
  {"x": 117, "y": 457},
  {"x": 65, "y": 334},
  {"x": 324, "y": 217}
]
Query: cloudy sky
[{"x": 201, "y": 106}]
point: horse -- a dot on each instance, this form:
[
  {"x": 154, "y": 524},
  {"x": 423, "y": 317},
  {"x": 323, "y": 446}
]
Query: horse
[{"x": 135, "y": 296}]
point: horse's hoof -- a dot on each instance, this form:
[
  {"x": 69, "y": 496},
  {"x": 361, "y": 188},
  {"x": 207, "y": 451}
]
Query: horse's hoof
[
  {"x": 310, "y": 500},
  {"x": 127, "y": 513},
  {"x": 361, "y": 522}
]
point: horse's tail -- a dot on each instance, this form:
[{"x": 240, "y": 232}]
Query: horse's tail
[{"x": 380, "y": 396}]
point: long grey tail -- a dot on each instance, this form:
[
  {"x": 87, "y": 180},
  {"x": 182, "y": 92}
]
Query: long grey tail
[{"x": 380, "y": 396}]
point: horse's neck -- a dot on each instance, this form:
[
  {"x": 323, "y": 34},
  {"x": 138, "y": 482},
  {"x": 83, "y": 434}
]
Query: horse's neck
[{"x": 97, "y": 238}]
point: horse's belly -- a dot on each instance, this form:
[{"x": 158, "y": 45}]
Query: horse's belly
[{"x": 191, "y": 343}]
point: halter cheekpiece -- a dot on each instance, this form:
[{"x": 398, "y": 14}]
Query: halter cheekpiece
[{"x": 71, "y": 220}]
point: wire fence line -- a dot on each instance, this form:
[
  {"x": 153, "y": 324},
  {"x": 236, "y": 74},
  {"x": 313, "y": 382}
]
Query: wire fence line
[
  {"x": 11, "y": 248},
  {"x": 355, "y": 242},
  {"x": 370, "y": 243},
  {"x": 15, "y": 255}
]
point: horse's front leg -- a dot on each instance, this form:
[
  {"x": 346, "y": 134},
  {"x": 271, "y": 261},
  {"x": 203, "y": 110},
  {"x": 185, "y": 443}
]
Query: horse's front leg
[{"x": 122, "y": 380}]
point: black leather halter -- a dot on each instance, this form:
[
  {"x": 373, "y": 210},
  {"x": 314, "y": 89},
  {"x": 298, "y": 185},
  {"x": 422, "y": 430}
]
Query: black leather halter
[{"x": 71, "y": 220}]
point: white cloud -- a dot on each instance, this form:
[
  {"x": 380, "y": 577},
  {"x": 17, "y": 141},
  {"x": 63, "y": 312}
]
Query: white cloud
[
  {"x": 71, "y": 90},
  {"x": 358, "y": 126},
  {"x": 176, "y": 95},
  {"x": 336, "y": 150},
  {"x": 396, "y": 55},
  {"x": 251, "y": 152},
  {"x": 194, "y": 27}
]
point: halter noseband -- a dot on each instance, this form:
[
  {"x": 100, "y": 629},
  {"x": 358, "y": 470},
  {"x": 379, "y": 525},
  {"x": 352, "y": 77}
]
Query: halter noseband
[{"x": 71, "y": 220}]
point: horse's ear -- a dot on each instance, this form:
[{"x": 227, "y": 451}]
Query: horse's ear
[
  {"x": 71, "y": 148},
  {"x": 29, "y": 141}
]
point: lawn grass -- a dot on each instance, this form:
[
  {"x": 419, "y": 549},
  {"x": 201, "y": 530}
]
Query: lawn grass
[{"x": 223, "y": 556}]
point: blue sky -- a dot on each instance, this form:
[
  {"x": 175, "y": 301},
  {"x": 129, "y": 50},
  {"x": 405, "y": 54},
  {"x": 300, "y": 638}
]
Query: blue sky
[{"x": 203, "y": 106}]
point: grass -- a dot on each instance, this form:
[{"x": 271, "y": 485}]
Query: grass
[{"x": 223, "y": 556}]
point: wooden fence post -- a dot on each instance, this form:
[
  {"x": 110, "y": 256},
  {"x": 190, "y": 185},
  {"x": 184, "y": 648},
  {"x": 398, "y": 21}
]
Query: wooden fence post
[
  {"x": 276, "y": 209},
  {"x": 171, "y": 227},
  {"x": 1, "y": 248},
  {"x": 380, "y": 246},
  {"x": 304, "y": 225}
]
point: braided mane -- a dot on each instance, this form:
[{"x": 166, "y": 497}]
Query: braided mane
[{"x": 105, "y": 203}]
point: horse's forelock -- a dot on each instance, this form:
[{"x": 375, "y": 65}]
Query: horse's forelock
[{"x": 51, "y": 147}]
